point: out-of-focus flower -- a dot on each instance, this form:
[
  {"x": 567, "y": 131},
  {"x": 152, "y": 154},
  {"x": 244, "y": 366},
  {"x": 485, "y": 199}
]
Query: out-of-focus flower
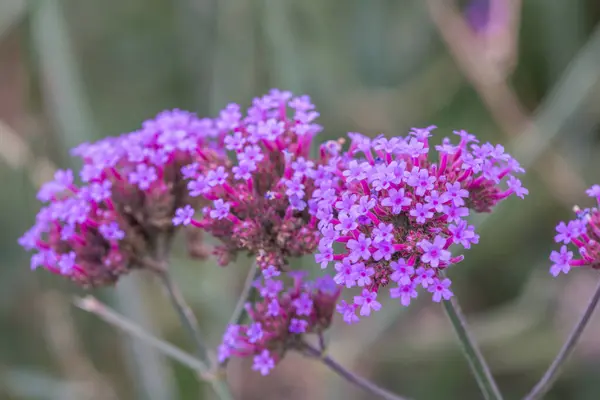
[
  {"x": 132, "y": 190},
  {"x": 397, "y": 213},
  {"x": 280, "y": 319},
  {"x": 583, "y": 233}
]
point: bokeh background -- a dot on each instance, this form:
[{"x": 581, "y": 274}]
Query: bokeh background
[{"x": 524, "y": 74}]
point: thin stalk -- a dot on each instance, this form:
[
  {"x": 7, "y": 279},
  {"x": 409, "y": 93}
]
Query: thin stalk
[
  {"x": 359, "y": 381},
  {"x": 187, "y": 317},
  {"x": 542, "y": 387},
  {"x": 92, "y": 305},
  {"x": 185, "y": 314},
  {"x": 240, "y": 307},
  {"x": 471, "y": 351}
]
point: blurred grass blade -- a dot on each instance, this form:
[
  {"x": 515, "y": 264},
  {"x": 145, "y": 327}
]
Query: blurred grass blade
[
  {"x": 11, "y": 12},
  {"x": 67, "y": 104}
]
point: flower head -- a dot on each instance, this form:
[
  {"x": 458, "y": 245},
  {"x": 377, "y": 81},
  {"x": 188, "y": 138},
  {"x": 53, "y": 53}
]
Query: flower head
[
  {"x": 132, "y": 191},
  {"x": 583, "y": 233},
  {"x": 286, "y": 311},
  {"x": 398, "y": 214}
]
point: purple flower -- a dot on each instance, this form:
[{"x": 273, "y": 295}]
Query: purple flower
[
  {"x": 566, "y": 233},
  {"x": 111, "y": 231},
  {"x": 561, "y": 261},
  {"x": 243, "y": 171},
  {"x": 183, "y": 215},
  {"x": 346, "y": 275},
  {"x": 100, "y": 191},
  {"x": 455, "y": 193},
  {"x": 294, "y": 188},
  {"x": 359, "y": 248},
  {"x": 420, "y": 180},
  {"x": 440, "y": 289},
  {"x": 594, "y": 191},
  {"x": 303, "y": 304},
  {"x": 434, "y": 253},
  {"x": 406, "y": 293},
  {"x": 263, "y": 363},
  {"x": 435, "y": 201},
  {"x": 383, "y": 249},
  {"x": 255, "y": 332},
  {"x": 347, "y": 222},
  {"x": 223, "y": 352},
  {"x": 273, "y": 308},
  {"x": 347, "y": 202},
  {"x": 217, "y": 177},
  {"x": 515, "y": 186},
  {"x": 464, "y": 234},
  {"x": 190, "y": 171},
  {"x": 396, "y": 199},
  {"x": 270, "y": 272},
  {"x": 143, "y": 176},
  {"x": 221, "y": 209},
  {"x": 421, "y": 212},
  {"x": 271, "y": 288},
  {"x": 251, "y": 154},
  {"x": 455, "y": 213},
  {"x": 234, "y": 142},
  {"x": 66, "y": 262},
  {"x": 348, "y": 311},
  {"x": 298, "y": 325},
  {"x": 325, "y": 256},
  {"x": 424, "y": 277},
  {"x": 383, "y": 233},
  {"x": 363, "y": 274},
  {"x": 368, "y": 302},
  {"x": 198, "y": 187},
  {"x": 355, "y": 171},
  {"x": 402, "y": 272}
]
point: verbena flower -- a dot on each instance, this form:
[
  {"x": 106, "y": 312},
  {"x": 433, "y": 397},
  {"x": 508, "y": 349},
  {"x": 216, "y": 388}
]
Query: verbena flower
[
  {"x": 132, "y": 187},
  {"x": 397, "y": 213},
  {"x": 280, "y": 319},
  {"x": 583, "y": 233},
  {"x": 259, "y": 201}
]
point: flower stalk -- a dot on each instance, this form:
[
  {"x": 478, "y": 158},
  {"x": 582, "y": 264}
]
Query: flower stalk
[
  {"x": 92, "y": 305},
  {"x": 546, "y": 382},
  {"x": 476, "y": 361},
  {"x": 359, "y": 381}
]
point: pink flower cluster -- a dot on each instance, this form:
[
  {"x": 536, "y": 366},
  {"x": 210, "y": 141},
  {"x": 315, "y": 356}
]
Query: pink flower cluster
[
  {"x": 259, "y": 202},
  {"x": 280, "y": 318},
  {"x": 584, "y": 233},
  {"x": 397, "y": 213},
  {"x": 132, "y": 185}
]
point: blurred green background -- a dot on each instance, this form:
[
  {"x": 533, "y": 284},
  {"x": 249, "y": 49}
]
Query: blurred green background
[{"x": 74, "y": 70}]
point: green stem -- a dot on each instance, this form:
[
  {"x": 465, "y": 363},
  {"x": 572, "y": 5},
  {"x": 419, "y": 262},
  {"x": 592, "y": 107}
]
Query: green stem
[
  {"x": 92, "y": 305},
  {"x": 542, "y": 387},
  {"x": 474, "y": 357}
]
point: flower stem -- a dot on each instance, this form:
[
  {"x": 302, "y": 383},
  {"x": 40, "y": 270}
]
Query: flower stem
[
  {"x": 186, "y": 315},
  {"x": 546, "y": 382},
  {"x": 474, "y": 357},
  {"x": 359, "y": 381},
  {"x": 238, "y": 312},
  {"x": 92, "y": 305}
]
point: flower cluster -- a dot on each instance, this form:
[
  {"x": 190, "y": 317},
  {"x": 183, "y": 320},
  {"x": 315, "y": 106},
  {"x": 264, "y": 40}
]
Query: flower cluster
[
  {"x": 132, "y": 186},
  {"x": 584, "y": 233},
  {"x": 397, "y": 213},
  {"x": 259, "y": 201},
  {"x": 280, "y": 319}
]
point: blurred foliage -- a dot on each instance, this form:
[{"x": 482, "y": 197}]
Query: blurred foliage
[{"x": 83, "y": 70}]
